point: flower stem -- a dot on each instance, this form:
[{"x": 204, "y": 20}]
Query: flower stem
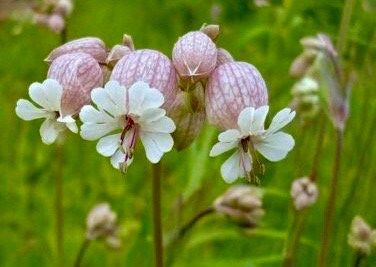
[
  {"x": 59, "y": 208},
  {"x": 193, "y": 221},
  {"x": 358, "y": 259},
  {"x": 345, "y": 23},
  {"x": 81, "y": 253},
  {"x": 156, "y": 188},
  {"x": 331, "y": 203}
]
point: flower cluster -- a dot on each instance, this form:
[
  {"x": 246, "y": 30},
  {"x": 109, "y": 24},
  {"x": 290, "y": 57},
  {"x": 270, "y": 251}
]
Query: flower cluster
[
  {"x": 124, "y": 94},
  {"x": 304, "y": 193},
  {"x": 361, "y": 237}
]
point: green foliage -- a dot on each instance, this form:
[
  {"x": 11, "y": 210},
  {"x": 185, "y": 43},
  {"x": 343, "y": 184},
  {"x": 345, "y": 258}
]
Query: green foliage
[{"x": 267, "y": 37}]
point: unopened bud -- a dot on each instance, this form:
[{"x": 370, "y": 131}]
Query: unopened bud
[
  {"x": 128, "y": 41},
  {"x": 223, "y": 56},
  {"x": 361, "y": 237},
  {"x": 242, "y": 204},
  {"x": 149, "y": 66},
  {"x": 101, "y": 222},
  {"x": 304, "y": 193},
  {"x": 211, "y": 30},
  {"x": 78, "y": 73},
  {"x": 56, "y": 23},
  {"x": 93, "y": 46},
  {"x": 301, "y": 65},
  {"x": 231, "y": 88},
  {"x": 194, "y": 56},
  {"x": 116, "y": 53},
  {"x": 188, "y": 113}
]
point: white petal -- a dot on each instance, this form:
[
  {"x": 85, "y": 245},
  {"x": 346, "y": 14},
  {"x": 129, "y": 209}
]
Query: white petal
[
  {"x": 108, "y": 145},
  {"x": 281, "y": 119},
  {"x": 117, "y": 94},
  {"x": 153, "y": 99},
  {"x": 117, "y": 159},
  {"x": 259, "y": 119},
  {"x": 142, "y": 97},
  {"x": 27, "y": 111},
  {"x": 231, "y": 169},
  {"x": 222, "y": 147},
  {"x": 49, "y": 131},
  {"x": 152, "y": 114},
  {"x": 152, "y": 149},
  {"x": 164, "y": 141},
  {"x": 48, "y": 94},
  {"x": 66, "y": 119},
  {"x": 112, "y": 98},
  {"x": 89, "y": 114},
  {"x": 245, "y": 119},
  {"x": 231, "y": 135},
  {"x": 162, "y": 125},
  {"x": 276, "y": 146},
  {"x": 72, "y": 126},
  {"x": 90, "y": 131}
]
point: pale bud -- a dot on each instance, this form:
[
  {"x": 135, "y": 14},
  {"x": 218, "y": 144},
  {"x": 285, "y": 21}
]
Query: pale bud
[
  {"x": 301, "y": 65},
  {"x": 242, "y": 203},
  {"x": 89, "y": 45},
  {"x": 211, "y": 30},
  {"x": 304, "y": 193},
  {"x": 101, "y": 222},
  {"x": 361, "y": 237},
  {"x": 128, "y": 41},
  {"x": 188, "y": 113},
  {"x": 194, "y": 56},
  {"x": 151, "y": 67},
  {"x": 116, "y": 53},
  {"x": 64, "y": 7},
  {"x": 78, "y": 73},
  {"x": 223, "y": 56},
  {"x": 56, "y": 23},
  {"x": 231, "y": 88}
]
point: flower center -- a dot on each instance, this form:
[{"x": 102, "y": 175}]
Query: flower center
[{"x": 128, "y": 137}]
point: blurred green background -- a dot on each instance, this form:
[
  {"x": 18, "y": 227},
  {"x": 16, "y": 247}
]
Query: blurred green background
[{"x": 267, "y": 37}]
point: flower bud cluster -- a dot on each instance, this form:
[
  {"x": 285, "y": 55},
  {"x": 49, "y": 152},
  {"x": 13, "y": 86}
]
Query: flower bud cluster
[
  {"x": 52, "y": 14},
  {"x": 362, "y": 238},
  {"x": 304, "y": 193},
  {"x": 242, "y": 204},
  {"x": 102, "y": 223}
]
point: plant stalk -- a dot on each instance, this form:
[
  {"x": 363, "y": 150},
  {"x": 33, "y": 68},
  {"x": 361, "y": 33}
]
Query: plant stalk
[
  {"x": 157, "y": 224},
  {"x": 331, "y": 203},
  {"x": 59, "y": 206},
  {"x": 81, "y": 253}
]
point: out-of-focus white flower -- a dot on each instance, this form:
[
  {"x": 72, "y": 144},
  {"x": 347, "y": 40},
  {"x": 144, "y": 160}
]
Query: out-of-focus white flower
[
  {"x": 251, "y": 135},
  {"x": 102, "y": 223},
  {"x": 136, "y": 112},
  {"x": 361, "y": 237},
  {"x": 48, "y": 96},
  {"x": 304, "y": 193}
]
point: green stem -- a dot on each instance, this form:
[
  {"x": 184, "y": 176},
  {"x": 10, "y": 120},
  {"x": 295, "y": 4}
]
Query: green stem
[
  {"x": 331, "y": 203},
  {"x": 156, "y": 188},
  {"x": 81, "y": 253},
  {"x": 345, "y": 24},
  {"x": 59, "y": 208},
  {"x": 358, "y": 259}
]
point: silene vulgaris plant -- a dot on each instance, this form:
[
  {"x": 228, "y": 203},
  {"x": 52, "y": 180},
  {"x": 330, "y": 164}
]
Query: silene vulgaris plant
[{"x": 124, "y": 95}]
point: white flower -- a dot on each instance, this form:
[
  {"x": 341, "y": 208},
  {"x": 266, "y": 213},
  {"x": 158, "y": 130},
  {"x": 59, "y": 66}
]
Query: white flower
[
  {"x": 48, "y": 96},
  {"x": 251, "y": 135},
  {"x": 136, "y": 113}
]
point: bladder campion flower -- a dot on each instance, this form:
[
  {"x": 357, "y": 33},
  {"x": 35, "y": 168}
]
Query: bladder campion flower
[
  {"x": 136, "y": 112},
  {"x": 48, "y": 96},
  {"x": 251, "y": 135}
]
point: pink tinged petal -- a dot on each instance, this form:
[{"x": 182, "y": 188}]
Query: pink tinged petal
[
  {"x": 27, "y": 111},
  {"x": 162, "y": 125},
  {"x": 78, "y": 73},
  {"x": 95, "y": 47},
  {"x": 232, "y": 87},
  {"x": 222, "y": 147},
  {"x": 231, "y": 135},
  {"x": 245, "y": 119},
  {"x": 275, "y": 146},
  {"x": 48, "y": 94},
  {"x": 49, "y": 131},
  {"x": 236, "y": 166},
  {"x": 194, "y": 55},
  {"x": 152, "y": 150},
  {"x": 281, "y": 119},
  {"x": 259, "y": 119},
  {"x": 108, "y": 145},
  {"x": 151, "y": 67},
  {"x": 89, "y": 114}
]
